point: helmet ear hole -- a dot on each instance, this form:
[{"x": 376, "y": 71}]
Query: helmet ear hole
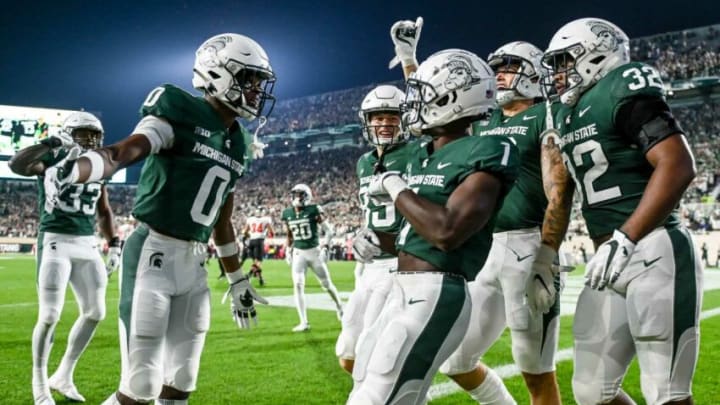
[{"x": 213, "y": 74}]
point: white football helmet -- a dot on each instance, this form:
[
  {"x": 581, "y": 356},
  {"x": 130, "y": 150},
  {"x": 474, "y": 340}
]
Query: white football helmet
[
  {"x": 585, "y": 50},
  {"x": 236, "y": 70},
  {"x": 91, "y": 139},
  {"x": 526, "y": 83},
  {"x": 382, "y": 98},
  {"x": 301, "y": 195},
  {"x": 447, "y": 86}
]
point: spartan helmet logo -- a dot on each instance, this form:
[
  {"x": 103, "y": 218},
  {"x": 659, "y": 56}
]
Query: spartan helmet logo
[
  {"x": 207, "y": 55},
  {"x": 607, "y": 38},
  {"x": 460, "y": 75}
]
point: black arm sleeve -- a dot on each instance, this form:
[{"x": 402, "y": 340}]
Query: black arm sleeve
[{"x": 645, "y": 121}]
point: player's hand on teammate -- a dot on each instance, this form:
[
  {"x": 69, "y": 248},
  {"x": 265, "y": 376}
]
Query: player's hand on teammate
[
  {"x": 405, "y": 36},
  {"x": 609, "y": 261},
  {"x": 324, "y": 254},
  {"x": 289, "y": 256},
  {"x": 366, "y": 246},
  {"x": 58, "y": 177},
  {"x": 242, "y": 300},
  {"x": 540, "y": 286},
  {"x": 376, "y": 188}
]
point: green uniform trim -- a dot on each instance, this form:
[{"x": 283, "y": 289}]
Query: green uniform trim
[
  {"x": 132, "y": 251},
  {"x": 421, "y": 356},
  {"x": 685, "y": 304}
]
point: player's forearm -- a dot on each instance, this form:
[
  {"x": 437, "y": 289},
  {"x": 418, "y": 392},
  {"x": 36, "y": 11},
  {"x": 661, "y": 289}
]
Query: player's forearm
[
  {"x": 26, "y": 162},
  {"x": 104, "y": 162},
  {"x": 409, "y": 69},
  {"x": 106, "y": 222},
  {"x": 558, "y": 187},
  {"x": 667, "y": 184}
]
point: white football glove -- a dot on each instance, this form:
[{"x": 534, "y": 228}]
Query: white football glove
[
  {"x": 366, "y": 246},
  {"x": 58, "y": 177},
  {"x": 113, "y": 260},
  {"x": 61, "y": 139},
  {"x": 384, "y": 187},
  {"x": 242, "y": 299},
  {"x": 256, "y": 148},
  {"x": 289, "y": 256},
  {"x": 540, "y": 286},
  {"x": 609, "y": 261},
  {"x": 405, "y": 35},
  {"x": 324, "y": 254}
]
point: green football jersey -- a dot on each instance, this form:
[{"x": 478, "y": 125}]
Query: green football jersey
[
  {"x": 610, "y": 170},
  {"x": 75, "y": 212},
  {"x": 525, "y": 204},
  {"x": 435, "y": 176},
  {"x": 304, "y": 225},
  {"x": 182, "y": 189}
]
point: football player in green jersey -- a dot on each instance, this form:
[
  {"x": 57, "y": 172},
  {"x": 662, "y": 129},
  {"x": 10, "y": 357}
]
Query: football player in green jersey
[
  {"x": 631, "y": 163},
  {"x": 195, "y": 151},
  {"x": 303, "y": 249},
  {"x": 517, "y": 285},
  {"x": 68, "y": 253},
  {"x": 454, "y": 188},
  {"x": 380, "y": 118}
]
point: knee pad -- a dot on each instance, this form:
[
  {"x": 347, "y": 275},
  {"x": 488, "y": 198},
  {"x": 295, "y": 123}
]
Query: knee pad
[
  {"x": 198, "y": 316},
  {"x": 591, "y": 392},
  {"x": 150, "y": 313},
  {"x": 95, "y": 314},
  {"x": 49, "y": 314},
  {"x": 298, "y": 278},
  {"x": 459, "y": 363},
  {"x": 324, "y": 283},
  {"x": 144, "y": 386}
]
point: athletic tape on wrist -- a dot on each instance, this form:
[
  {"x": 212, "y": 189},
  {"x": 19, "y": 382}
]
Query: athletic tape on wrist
[{"x": 228, "y": 249}]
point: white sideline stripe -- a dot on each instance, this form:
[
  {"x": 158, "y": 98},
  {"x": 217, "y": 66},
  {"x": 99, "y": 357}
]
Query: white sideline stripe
[{"x": 505, "y": 371}]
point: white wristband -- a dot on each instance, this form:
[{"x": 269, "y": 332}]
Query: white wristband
[
  {"x": 394, "y": 185},
  {"x": 97, "y": 166},
  {"x": 228, "y": 249},
  {"x": 235, "y": 276}
]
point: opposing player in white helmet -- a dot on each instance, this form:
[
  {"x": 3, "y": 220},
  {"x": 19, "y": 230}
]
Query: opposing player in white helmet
[
  {"x": 631, "y": 163},
  {"x": 67, "y": 252},
  {"x": 194, "y": 151},
  {"x": 380, "y": 119},
  {"x": 449, "y": 193},
  {"x": 303, "y": 249}
]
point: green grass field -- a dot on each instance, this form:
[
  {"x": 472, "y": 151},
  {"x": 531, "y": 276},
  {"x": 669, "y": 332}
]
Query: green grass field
[{"x": 267, "y": 365}]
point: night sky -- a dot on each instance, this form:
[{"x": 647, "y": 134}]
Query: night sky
[{"x": 107, "y": 57}]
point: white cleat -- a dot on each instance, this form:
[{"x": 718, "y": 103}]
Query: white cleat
[
  {"x": 66, "y": 388},
  {"x": 302, "y": 327},
  {"x": 44, "y": 399}
]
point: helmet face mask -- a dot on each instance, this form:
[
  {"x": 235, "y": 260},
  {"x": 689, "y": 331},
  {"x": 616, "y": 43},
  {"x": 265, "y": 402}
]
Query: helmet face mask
[
  {"x": 235, "y": 69},
  {"x": 449, "y": 85},
  {"x": 85, "y": 129},
  {"x": 583, "y": 52},
  {"x": 380, "y": 116},
  {"x": 523, "y": 60}
]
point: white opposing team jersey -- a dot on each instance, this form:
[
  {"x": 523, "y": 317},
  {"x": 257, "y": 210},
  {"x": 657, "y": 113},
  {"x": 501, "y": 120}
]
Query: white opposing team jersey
[{"x": 258, "y": 226}]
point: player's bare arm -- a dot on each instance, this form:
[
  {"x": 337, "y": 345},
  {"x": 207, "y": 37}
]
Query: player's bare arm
[
  {"x": 224, "y": 237},
  {"x": 130, "y": 150},
  {"x": 559, "y": 188},
  {"x": 467, "y": 211},
  {"x": 674, "y": 169},
  {"x": 26, "y": 162},
  {"x": 387, "y": 242},
  {"x": 105, "y": 218}
]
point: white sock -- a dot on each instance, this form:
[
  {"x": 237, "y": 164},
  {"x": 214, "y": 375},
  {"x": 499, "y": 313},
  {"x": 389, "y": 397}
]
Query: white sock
[
  {"x": 80, "y": 335},
  {"x": 42, "y": 340},
  {"x": 299, "y": 291},
  {"x": 492, "y": 391}
]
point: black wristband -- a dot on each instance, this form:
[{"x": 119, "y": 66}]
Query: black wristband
[{"x": 114, "y": 242}]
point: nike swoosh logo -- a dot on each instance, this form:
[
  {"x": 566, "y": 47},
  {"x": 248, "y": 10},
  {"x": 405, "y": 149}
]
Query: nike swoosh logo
[
  {"x": 414, "y": 301},
  {"x": 519, "y": 258},
  {"x": 583, "y": 111},
  {"x": 650, "y": 263},
  {"x": 527, "y": 118},
  {"x": 542, "y": 282},
  {"x": 441, "y": 166},
  {"x": 613, "y": 248},
  {"x": 390, "y": 163}
]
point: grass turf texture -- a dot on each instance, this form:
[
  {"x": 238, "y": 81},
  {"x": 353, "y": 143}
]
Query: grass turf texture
[{"x": 267, "y": 365}]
